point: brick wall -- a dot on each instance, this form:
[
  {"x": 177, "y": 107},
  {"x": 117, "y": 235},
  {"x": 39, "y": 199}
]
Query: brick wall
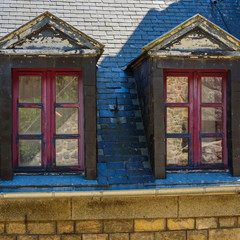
[
  {"x": 121, "y": 229},
  {"x": 210, "y": 217}
]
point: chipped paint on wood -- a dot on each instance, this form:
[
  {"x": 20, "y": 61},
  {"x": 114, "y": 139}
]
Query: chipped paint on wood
[
  {"x": 196, "y": 40},
  {"x": 189, "y": 25},
  {"x": 84, "y": 52},
  {"x": 47, "y": 38},
  {"x": 180, "y": 41},
  {"x": 59, "y": 35},
  {"x": 216, "y": 54}
]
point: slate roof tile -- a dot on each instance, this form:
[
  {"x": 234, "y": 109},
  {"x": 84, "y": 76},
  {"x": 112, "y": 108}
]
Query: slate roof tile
[{"x": 124, "y": 27}]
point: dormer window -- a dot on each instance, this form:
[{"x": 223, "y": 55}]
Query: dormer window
[
  {"x": 186, "y": 81},
  {"x": 195, "y": 104},
  {"x": 51, "y": 69}
]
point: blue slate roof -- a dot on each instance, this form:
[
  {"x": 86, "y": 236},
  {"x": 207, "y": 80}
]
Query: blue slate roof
[{"x": 124, "y": 27}]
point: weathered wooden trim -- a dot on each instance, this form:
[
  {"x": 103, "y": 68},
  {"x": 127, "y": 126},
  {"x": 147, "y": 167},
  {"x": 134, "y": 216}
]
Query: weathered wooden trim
[
  {"x": 48, "y": 18},
  {"x": 190, "y": 24},
  {"x": 81, "y": 52},
  {"x": 218, "y": 54}
]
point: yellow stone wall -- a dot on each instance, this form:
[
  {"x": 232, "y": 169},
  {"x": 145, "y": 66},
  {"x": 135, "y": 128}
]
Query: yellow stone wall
[{"x": 200, "y": 217}]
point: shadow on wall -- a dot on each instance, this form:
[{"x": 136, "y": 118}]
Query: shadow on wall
[
  {"x": 112, "y": 82},
  {"x": 156, "y": 23}
]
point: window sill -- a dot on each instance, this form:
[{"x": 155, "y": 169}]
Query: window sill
[{"x": 52, "y": 186}]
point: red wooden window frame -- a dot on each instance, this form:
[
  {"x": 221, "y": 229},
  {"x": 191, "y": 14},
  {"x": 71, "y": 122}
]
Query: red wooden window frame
[
  {"x": 48, "y": 136},
  {"x": 194, "y": 106}
]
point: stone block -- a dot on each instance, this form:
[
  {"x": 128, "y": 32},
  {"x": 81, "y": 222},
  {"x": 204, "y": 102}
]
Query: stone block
[
  {"x": 1, "y": 228},
  {"x": 174, "y": 235},
  {"x": 223, "y": 234},
  {"x": 206, "y": 223},
  {"x": 119, "y": 236},
  {"x": 179, "y": 224},
  {"x": 12, "y": 238},
  {"x": 27, "y": 237},
  {"x": 94, "y": 237},
  {"x": 141, "y": 236},
  {"x": 88, "y": 227},
  {"x": 41, "y": 227},
  {"x": 15, "y": 228},
  {"x": 141, "y": 225},
  {"x": 209, "y": 205},
  {"x": 50, "y": 237},
  {"x": 228, "y": 222},
  {"x": 124, "y": 207},
  {"x": 197, "y": 235},
  {"x": 35, "y": 209},
  {"x": 118, "y": 226},
  {"x": 72, "y": 237},
  {"x": 65, "y": 227}
]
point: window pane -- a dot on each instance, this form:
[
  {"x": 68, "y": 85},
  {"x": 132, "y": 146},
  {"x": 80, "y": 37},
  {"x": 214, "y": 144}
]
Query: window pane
[
  {"x": 29, "y": 121},
  {"x": 66, "y": 120},
  {"x": 67, "y": 152},
  {"x": 66, "y": 89},
  {"x": 29, "y": 153},
  {"x": 211, "y": 89},
  {"x": 211, "y": 120},
  {"x": 177, "y": 89},
  {"x": 177, "y": 151},
  {"x": 211, "y": 150},
  {"x": 30, "y": 89},
  {"x": 177, "y": 120}
]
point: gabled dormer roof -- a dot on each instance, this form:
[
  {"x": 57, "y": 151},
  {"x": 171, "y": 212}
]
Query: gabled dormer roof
[
  {"x": 47, "y": 34},
  {"x": 195, "y": 37}
]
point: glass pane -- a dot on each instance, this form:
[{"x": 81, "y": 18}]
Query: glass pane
[
  {"x": 211, "y": 89},
  {"x": 177, "y": 151},
  {"x": 211, "y": 150},
  {"x": 66, "y": 120},
  {"x": 30, "y": 89},
  {"x": 177, "y": 120},
  {"x": 66, "y": 89},
  {"x": 177, "y": 89},
  {"x": 29, "y": 153},
  {"x": 67, "y": 152},
  {"x": 211, "y": 120},
  {"x": 29, "y": 121}
]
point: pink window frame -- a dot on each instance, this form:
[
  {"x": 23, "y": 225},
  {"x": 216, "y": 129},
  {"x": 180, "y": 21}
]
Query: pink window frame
[
  {"x": 194, "y": 110},
  {"x": 48, "y": 136}
]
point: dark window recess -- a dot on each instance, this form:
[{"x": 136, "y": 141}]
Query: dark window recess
[
  {"x": 47, "y": 120},
  {"x": 195, "y": 115}
]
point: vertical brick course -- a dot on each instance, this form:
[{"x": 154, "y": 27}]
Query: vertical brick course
[
  {"x": 65, "y": 227},
  {"x": 179, "y": 224},
  {"x": 227, "y": 222},
  {"x": 141, "y": 225},
  {"x": 197, "y": 235},
  {"x": 88, "y": 226},
  {"x": 15, "y": 228},
  {"x": 118, "y": 226},
  {"x": 41, "y": 228},
  {"x": 1, "y": 228},
  {"x": 206, "y": 223}
]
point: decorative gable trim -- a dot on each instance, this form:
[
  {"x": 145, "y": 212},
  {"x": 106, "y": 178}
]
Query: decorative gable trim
[
  {"x": 196, "y": 21},
  {"x": 27, "y": 39},
  {"x": 208, "y": 40}
]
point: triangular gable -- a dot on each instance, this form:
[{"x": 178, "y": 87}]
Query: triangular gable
[
  {"x": 196, "y": 40},
  {"x": 49, "y": 34},
  {"x": 195, "y": 37},
  {"x": 194, "y": 34}
]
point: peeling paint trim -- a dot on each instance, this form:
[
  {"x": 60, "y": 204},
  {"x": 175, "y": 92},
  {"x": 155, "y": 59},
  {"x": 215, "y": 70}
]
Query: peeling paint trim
[
  {"x": 48, "y": 52},
  {"x": 216, "y": 54},
  {"x": 48, "y": 18},
  {"x": 191, "y": 23},
  {"x": 127, "y": 193}
]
